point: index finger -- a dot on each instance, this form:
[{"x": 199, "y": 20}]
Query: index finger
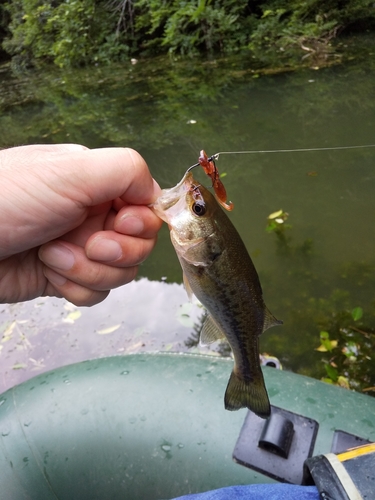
[{"x": 100, "y": 175}]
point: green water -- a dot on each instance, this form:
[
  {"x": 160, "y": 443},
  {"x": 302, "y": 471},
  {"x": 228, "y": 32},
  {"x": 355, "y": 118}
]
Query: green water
[{"x": 169, "y": 111}]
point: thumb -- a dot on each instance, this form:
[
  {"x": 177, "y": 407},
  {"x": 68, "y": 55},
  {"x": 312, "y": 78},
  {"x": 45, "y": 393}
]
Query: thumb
[
  {"x": 48, "y": 190},
  {"x": 101, "y": 175}
]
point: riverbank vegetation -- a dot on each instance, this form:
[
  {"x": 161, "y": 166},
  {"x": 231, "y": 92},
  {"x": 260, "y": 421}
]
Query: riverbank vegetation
[{"x": 75, "y": 33}]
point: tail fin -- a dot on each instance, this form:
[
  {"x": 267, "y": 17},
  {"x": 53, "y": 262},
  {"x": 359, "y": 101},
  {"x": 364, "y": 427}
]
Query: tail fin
[{"x": 247, "y": 394}]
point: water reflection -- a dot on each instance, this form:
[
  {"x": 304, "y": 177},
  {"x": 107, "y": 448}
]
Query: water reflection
[
  {"x": 42, "y": 334},
  {"x": 320, "y": 271}
]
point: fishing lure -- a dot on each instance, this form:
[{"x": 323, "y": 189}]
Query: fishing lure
[{"x": 210, "y": 169}]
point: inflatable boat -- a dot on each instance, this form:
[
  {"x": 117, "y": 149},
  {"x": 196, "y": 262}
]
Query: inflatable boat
[{"x": 153, "y": 426}]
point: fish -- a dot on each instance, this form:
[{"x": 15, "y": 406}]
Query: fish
[{"x": 218, "y": 270}]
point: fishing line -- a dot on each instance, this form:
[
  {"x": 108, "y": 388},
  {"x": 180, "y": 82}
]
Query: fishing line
[{"x": 301, "y": 150}]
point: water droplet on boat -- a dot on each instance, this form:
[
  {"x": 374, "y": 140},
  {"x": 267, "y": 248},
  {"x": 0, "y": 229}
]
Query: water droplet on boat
[
  {"x": 5, "y": 432},
  {"x": 2, "y": 401},
  {"x": 125, "y": 372},
  {"x": 180, "y": 445},
  {"x": 27, "y": 424},
  {"x": 166, "y": 447},
  {"x": 67, "y": 381}
]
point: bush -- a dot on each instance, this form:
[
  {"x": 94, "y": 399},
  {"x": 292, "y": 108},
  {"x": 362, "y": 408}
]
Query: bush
[
  {"x": 292, "y": 27},
  {"x": 190, "y": 28},
  {"x": 70, "y": 33},
  {"x": 79, "y": 32}
]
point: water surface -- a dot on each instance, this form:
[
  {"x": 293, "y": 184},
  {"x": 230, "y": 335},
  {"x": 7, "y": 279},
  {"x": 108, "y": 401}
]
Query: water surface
[{"x": 169, "y": 112}]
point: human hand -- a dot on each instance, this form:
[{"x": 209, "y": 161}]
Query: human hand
[{"x": 74, "y": 221}]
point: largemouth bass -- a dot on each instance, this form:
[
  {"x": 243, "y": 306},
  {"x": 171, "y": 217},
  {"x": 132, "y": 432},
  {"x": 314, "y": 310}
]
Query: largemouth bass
[{"x": 219, "y": 271}]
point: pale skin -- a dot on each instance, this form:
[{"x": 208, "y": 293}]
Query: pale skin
[{"x": 75, "y": 222}]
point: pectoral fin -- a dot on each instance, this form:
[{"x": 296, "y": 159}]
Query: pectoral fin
[
  {"x": 187, "y": 286},
  {"x": 269, "y": 320},
  {"x": 210, "y": 332}
]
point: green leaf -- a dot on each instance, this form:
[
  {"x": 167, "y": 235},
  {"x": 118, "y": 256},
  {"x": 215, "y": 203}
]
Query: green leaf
[
  {"x": 110, "y": 329},
  {"x": 331, "y": 372},
  {"x": 343, "y": 382},
  {"x": 357, "y": 313},
  {"x": 274, "y": 215},
  {"x": 327, "y": 380},
  {"x": 19, "y": 366},
  {"x": 7, "y": 335},
  {"x": 267, "y": 13},
  {"x": 72, "y": 316},
  {"x": 326, "y": 343},
  {"x": 324, "y": 335}
]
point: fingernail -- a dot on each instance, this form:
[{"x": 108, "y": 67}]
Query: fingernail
[
  {"x": 54, "y": 278},
  {"x": 57, "y": 256},
  {"x": 157, "y": 189},
  {"x": 131, "y": 225},
  {"x": 104, "y": 250}
]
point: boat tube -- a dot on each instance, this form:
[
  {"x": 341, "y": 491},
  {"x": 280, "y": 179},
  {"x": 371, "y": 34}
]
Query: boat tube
[{"x": 151, "y": 426}]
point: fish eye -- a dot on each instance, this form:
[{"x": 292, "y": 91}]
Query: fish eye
[{"x": 199, "y": 209}]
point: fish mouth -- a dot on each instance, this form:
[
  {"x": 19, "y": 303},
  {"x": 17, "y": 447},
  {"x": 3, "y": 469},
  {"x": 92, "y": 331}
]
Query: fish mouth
[{"x": 169, "y": 197}]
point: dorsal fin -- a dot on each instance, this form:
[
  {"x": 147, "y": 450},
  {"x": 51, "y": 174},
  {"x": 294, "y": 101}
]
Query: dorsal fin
[
  {"x": 269, "y": 320},
  {"x": 210, "y": 332}
]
